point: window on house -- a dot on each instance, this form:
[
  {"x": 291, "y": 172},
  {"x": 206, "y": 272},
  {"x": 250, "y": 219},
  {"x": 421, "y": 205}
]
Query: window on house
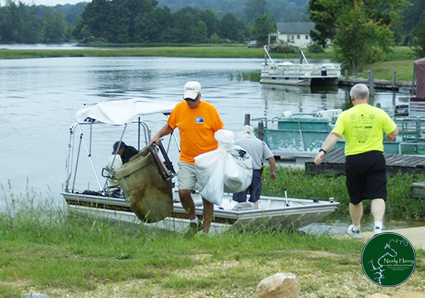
[
  {"x": 306, "y": 36},
  {"x": 298, "y": 36}
]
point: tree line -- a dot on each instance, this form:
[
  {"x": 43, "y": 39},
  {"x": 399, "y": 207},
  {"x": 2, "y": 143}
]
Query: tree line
[
  {"x": 279, "y": 10},
  {"x": 129, "y": 21},
  {"x": 143, "y": 21},
  {"x": 363, "y": 31},
  {"x": 21, "y": 23}
]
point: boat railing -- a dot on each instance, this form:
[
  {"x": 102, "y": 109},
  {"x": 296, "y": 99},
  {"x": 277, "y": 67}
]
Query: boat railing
[
  {"x": 268, "y": 55},
  {"x": 302, "y": 56},
  {"x": 85, "y": 143},
  {"x": 304, "y": 132}
]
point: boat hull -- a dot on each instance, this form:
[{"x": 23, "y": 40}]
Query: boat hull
[
  {"x": 272, "y": 213},
  {"x": 284, "y": 80}
]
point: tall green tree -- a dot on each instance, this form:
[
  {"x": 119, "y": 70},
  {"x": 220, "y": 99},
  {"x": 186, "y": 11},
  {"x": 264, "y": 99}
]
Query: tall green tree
[
  {"x": 262, "y": 27},
  {"x": 324, "y": 14},
  {"x": 412, "y": 18},
  {"x": 254, "y": 9},
  {"x": 201, "y": 32},
  {"x": 233, "y": 28},
  {"x": 32, "y": 29},
  {"x": 210, "y": 20},
  {"x": 359, "y": 39},
  {"x": 164, "y": 19},
  {"x": 94, "y": 20},
  {"x": 184, "y": 25},
  {"x": 419, "y": 40},
  {"x": 360, "y": 30},
  {"x": 55, "y": 27},
  {"x": 10, "y": 22},
  {"x": 118, "y": 22}
]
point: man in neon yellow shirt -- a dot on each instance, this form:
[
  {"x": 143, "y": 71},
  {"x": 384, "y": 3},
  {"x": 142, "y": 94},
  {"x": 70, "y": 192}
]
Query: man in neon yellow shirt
[
  {"x": 197, "y": 122},
  {"x": 363, "y": 127}
]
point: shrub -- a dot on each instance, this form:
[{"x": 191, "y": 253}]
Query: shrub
[
  {"x": 315, "y": 48},
  {"x": 283, "y": 49}
]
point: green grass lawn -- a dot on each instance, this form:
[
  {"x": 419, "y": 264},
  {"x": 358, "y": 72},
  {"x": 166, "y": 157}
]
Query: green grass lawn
[
  {"x": 44, "y": 249},
  {"x": 384, "y": 70},
  {"x": 89, "y": 257}
]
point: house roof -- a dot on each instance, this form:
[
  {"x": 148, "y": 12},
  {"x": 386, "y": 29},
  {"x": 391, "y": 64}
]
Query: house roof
[{"x": 295, "y": 27}]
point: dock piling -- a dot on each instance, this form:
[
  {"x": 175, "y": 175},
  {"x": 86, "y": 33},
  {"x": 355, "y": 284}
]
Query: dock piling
[
  {"x": 247, "y": 119},
  {"x": 371, "y": 84},
  {"x": 261, "y": 130},
  {"x": 394, "y": 80}
]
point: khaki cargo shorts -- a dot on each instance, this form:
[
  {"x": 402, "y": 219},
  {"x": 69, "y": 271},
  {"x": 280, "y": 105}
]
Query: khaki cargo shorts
[{"x": 186, "y": 176}]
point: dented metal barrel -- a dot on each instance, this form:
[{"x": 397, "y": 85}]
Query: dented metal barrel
[{"x": 147, "y": 185}]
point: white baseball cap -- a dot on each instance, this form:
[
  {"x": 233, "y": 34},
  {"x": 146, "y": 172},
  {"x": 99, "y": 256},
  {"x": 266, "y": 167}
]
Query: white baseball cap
[{"x": 191, "y": 90}]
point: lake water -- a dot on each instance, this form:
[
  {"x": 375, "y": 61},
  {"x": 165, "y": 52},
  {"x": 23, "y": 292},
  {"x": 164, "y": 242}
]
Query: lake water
[{"x": 40, "y": 97}]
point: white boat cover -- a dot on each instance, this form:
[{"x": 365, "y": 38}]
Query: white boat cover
[{"x": 119, "y": 112}]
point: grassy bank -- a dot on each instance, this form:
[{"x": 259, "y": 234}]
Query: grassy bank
[
  {"x": 75, "y": 257},
  {"x": 301, "y": 185},
  {"x": 399, "y": 60},
  {"x": 195, "y": 52},
  {"x": 43, "y": 249},
  {"x": 384, "y": 71},
  {"x": 199, "y": 51}
]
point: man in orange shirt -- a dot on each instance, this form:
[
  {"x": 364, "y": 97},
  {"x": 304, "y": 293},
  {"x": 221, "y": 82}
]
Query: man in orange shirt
[{"x": 197, "y": 122}]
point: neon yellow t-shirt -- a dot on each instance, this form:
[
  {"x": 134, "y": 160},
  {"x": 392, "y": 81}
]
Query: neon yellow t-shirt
[
  {"x": 363, "y": 127},
  {"x": 197, "y": 127}
]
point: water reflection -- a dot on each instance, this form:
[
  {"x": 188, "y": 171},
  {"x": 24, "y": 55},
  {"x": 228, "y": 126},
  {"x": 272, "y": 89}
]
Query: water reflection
[{"x": 278, "y": 99}]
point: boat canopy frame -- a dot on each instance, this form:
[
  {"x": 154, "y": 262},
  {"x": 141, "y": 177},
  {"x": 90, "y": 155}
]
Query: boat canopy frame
[
  {"x": 267, "y": 56},
  {"x": 115, "y": 113}
]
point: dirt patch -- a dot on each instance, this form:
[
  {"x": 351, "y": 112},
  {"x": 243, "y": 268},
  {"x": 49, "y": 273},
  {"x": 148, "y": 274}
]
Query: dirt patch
[{"x": 314, "y": 284}]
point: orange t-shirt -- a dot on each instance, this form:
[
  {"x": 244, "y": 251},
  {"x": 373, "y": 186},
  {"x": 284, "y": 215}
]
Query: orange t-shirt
[{"x": 197, "y": 127}]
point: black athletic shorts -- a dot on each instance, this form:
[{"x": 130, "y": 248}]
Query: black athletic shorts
[{"x": 366, "y": 176}]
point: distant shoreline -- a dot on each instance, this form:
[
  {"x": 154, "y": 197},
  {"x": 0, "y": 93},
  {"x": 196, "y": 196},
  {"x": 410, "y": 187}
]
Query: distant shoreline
[{"x": 399, "y": 61}]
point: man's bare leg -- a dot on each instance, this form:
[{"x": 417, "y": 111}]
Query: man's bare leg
[
  {"x": 378, "y": 209},
  {"x": 378, "y": 212},
  {"x": 187, "y": 202},
  {"x": 356, "y": 213},
  {"x": 207, "y": 214}
]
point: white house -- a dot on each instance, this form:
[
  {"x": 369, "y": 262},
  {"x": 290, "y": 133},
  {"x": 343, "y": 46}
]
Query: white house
[{"x": 295, "y": 33}]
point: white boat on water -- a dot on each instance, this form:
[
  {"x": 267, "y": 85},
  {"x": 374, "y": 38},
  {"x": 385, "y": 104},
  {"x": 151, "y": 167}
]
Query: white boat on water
[
  {"x": 299, "y": 74},
  {"x": 98, "y": 201}
]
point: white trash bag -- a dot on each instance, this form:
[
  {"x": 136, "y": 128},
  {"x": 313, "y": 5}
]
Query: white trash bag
[
  {"x": 237, "y": 170},
  {"x": 228, "y": 168}
]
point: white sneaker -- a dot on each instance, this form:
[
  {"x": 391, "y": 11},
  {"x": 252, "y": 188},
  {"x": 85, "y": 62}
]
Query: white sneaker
[
  {"x": 356, "y": 234},
  {"x": 377, "y": 230}
]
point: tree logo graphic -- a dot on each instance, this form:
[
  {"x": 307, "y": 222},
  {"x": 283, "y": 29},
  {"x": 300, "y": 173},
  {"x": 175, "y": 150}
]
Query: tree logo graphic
[{"x": 388, "y": 259}]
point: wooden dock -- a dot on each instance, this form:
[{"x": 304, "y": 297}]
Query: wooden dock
[
  {"x": 378, "y": 84},
  {"x": 334, "y": 162}
]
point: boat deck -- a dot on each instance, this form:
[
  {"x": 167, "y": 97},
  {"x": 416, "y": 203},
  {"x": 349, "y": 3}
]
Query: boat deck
[
  {"x": 273, "y": 212},
  {"x": 396, "y": 163}
]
